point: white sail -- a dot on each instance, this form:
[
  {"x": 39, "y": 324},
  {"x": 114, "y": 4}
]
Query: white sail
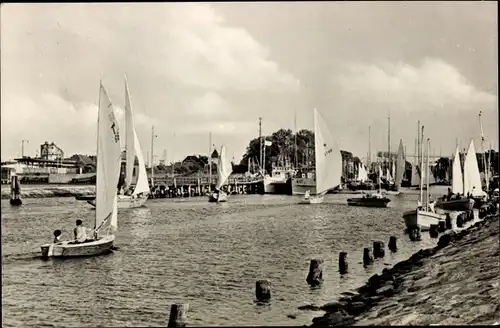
[
  {"x": 133, "y": 149},
  {"x": 327, "y": 155},
  {"x": 108, "y": 164},
  {"x": 415, "y": 177},
  {"x": 400, "y": 165},
  {"x": 472, "y": 178},
  {"x": 129, "y": 139},
  {"x": 388, "y": 174},
  {"x": 224, "y": 168},
  {"x": 362, "y": 175},
  {"x": 457, "y": 186}
]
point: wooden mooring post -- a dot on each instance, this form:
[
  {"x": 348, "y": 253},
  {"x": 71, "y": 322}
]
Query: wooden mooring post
[
  {"x": 378, "y": 249},
  {"x": 367, "y": 256},
  {"x": 442, "y": 226},
  {"x": 315, "y": 276},
  {"x": 415, "y": 234},
  {"x": 433, "y": 231},
  {"x": 393, "y": 243},
  {"x": 178, "y": 315},
  {"x": 15, "y": 191},
  {"x": 263, "y": 290},
  {"x": 343, "y": 265}
]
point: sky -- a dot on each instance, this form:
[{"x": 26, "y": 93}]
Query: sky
[{"x": 196, "y": 68}]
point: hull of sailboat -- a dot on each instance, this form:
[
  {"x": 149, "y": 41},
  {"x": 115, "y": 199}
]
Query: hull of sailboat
[
  {"x": 217, "y": 197},
  {"x": 464, "y": 204},
  {"x": 421, "y": 219},
  {"x": 368, "y": 202},
  {"x": 100, "y": 246},
  {"x": 126, "y": 201},
  {"x": 85, "y": 197},
  {"x": 277, "y": 186},
  {"x": 301, "y": 185},
  {"x": 312, "y": 200}
]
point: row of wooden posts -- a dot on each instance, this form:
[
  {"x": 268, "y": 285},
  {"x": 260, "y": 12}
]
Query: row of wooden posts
[{"x": 178, "y": 312}]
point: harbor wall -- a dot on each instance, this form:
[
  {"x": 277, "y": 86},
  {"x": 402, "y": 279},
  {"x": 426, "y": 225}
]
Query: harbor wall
[
  {"x": 47, "y": 191},
  {"x": 456, "y": 282}
]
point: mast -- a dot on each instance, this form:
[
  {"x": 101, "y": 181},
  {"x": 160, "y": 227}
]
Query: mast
[
  {"x": 369, "y": 146},
  {"x": 261, "y": 144},
  {"x": 389, "y": 160},
  {"x": 489, "y": 157},
  {"x": 173, "y": 162},
  {"x": 210, "y": 161},
  {"x": 152, "y": 156},
  {"x": 295, "y": 141},
  {"x": 484, "y": 154},
  {"x": 421, "y": 166},
  {"x": 419, "y": 149},
  {"x": 427, "y": 176}
]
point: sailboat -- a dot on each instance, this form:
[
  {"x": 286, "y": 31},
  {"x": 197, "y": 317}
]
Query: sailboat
[
  {"x": 472, "y": 177},
  {"x": 224, "y": 169},
  {"x": 128, "y": 198},
  {"x": 457, "y": 188},
  {"x": 371, "y": 199},
  {"x": 424, "y": 216},
  {"x": 400, "y": 166},
  {"x": 108, "y": 172},
  {"x": 328, "y": 161}
]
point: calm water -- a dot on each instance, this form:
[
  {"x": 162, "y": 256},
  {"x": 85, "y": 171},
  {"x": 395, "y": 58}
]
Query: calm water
[{"x": 191, "y": 251}]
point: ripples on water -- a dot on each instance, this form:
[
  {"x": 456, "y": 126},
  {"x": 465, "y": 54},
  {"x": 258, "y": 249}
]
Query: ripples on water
[{"x": 191, "y": 251}]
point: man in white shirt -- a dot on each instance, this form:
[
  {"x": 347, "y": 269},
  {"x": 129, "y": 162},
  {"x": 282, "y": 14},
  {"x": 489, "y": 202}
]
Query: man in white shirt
[{"x": 80, "y": 232}]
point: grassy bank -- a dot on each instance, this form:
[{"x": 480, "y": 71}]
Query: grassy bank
[
  {"x": 456, "y": 282},
  {"x": 46, "y": 191}
]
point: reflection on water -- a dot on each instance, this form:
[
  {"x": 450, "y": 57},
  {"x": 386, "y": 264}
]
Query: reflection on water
[{"x": 192, "y": 251}]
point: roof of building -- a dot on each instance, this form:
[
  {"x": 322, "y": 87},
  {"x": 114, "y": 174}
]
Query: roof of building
[
  {"x": 27, "y": 159},
  {"x": 85, "y": 160}
]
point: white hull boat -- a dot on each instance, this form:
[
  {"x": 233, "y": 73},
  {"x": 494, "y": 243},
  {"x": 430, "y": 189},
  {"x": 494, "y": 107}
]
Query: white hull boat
[
  {"x": 312, "y": 200},
  {"x": 100, "y": 246},
  {"x": 422, "y": 219},
  {"x": 125, "y": 201},
  {"x": 217, "y": 197}
]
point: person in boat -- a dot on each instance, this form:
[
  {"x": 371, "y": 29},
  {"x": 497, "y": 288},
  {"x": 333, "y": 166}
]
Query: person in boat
[
  {"x": 80, "y": 233},
  {"x": 307, "y": 194},
  {"x": 57, "y": 236},
  {"x": 450, "y": 194}
]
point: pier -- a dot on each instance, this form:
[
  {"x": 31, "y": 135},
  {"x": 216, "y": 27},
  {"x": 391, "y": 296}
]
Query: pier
[{"x": 168, "y": 187}]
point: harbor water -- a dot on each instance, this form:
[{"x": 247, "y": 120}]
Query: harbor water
[{"x": 191, "y": 251}]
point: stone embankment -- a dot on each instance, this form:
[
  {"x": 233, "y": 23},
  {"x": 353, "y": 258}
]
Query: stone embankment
[
  {"x": 456, "y": 282},
  {"x": 51, "y": 191}
]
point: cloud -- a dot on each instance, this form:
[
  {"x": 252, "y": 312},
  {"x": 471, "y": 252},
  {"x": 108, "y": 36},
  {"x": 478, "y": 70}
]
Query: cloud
[
  {"x": 210, "y": 105},
  {"x": 432, "y": 85},
  {"x": 180, "y": 59},
  {"x": 432, "y": 92}
]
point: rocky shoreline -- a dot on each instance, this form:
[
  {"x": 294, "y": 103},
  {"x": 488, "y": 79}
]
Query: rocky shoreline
[
  {"x": 51, "y": 191},
  {"x": 456, "y": 282}
]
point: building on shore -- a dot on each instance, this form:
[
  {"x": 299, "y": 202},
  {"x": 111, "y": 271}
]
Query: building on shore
[{"x": 51, "y": 151}]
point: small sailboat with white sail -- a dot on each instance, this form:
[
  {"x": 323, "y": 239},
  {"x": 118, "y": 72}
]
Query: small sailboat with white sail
[
  {"x": 371, "y": 199},
  {"x": 425, "y": 215},
  {"x": 456, "y": 201},
  {"x": 328, "y": 161},
  {"x": 130, "y": 196},
  {"x": 472, "y": 177},
  {"x": 108, "y": 172},
  {"x": 224, "y": 170}
]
